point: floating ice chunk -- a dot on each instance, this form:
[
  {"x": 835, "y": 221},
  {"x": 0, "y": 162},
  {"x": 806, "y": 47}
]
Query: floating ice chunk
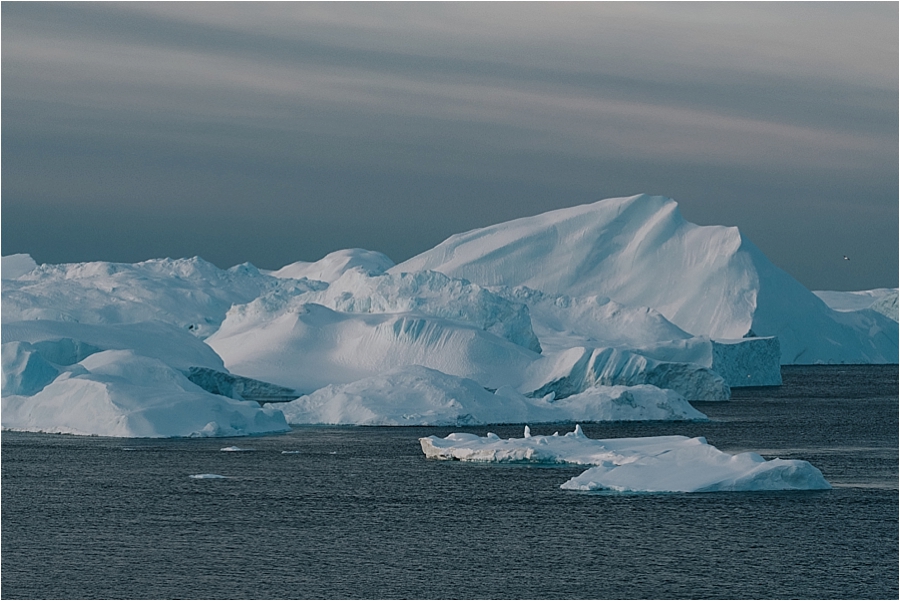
[
  {"x": 290, "y": 452},
  {"x": 234, "y": 449},
  {"x": 207, "y": 477},
  {"x": 652, "y": 464}
]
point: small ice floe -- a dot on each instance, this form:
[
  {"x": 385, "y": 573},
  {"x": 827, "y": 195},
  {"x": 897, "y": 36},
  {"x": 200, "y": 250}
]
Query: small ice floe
[
  {"x": 651, "y": 464},
  {"x": 290, "y": 452},
  {"x": 332, "y": 452},
  {"x": 207, "y": 477},
  {"x": 234, "y": 449}
]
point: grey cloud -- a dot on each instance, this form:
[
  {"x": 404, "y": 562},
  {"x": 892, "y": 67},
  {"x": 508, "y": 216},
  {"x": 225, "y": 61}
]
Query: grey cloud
[{"x": 400, "y": 122}]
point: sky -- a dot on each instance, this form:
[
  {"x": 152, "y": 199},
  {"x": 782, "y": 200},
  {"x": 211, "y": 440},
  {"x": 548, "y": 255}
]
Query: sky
[{"x": 278, "y": 132}]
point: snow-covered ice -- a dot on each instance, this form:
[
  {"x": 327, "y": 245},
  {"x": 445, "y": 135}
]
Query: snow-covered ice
[
  {"x": 615, "y": 310},
  {"x": 652, "y": 464},
  {"x": 333, "y": 265},
  {"x": 188, "y": 293},
  {"x": 207, "y": 477},
  {"x": 416, "y": 395},
  {"x": 639, "y": 251},
  {"x": 122, "y": 394},
  {"x": 881, "y": 300},
  {"x": 577, "y": 369},
  {"x": 309, "y": 346},
  {"x": 14, "y": 266}
]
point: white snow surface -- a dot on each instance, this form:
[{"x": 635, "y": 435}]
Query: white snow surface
[
  {"x": 426, "y": 293},
  {"x": 652, "y": 464},
  {"x": 309, "y": 346},
  {"x": 14, "y": 266},
  {"x": 122, "y": 394},
  {"x": 188, "y": 293},
  {"x": 418, "y": 396},
  {"x": 639, "y": 251},
  {"x": 65, "y": 342},
  {"x": 332, "y": 266},
  {"x": 882, "y": 300}
]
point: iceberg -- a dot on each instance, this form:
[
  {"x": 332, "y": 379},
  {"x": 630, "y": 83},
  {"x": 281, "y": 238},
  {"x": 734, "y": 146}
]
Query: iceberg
[
  {"x": 617, "y": 310},
  {"x": 14, "y": 266},
  {"x": 880, "y": 300},
  {"x": 66, "y": 342},
  {"x": 639, "y": 251},
  {"x": 191, "y": 294},
  {"x": 418, "y": 396},
  {"x": 333, "y": 265},
  {"x": 741, "y": 363},
  {"x": 122, "y": 394},
  {"x": 309, "y": 346},
  {"x": 577, "y": 369},
  {"x": 651, "y": 464}
]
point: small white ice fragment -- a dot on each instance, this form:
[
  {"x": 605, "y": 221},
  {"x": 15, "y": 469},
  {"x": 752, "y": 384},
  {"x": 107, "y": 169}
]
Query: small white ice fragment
[
  {"x": 207, "y": 476},
  {"x": 290, "y": 452},
  {"x": 234, "y": 449}
]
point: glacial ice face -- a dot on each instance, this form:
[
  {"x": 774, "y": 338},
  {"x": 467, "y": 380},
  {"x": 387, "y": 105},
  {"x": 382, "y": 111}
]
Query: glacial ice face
[
  {"x": 25, "y": 370},
  {"x": 639, "y": 251},
  {"x": 744, "y": 362},
  {"x": 652, "y": 464},
  {"x": 578, "y": 369},
  {"x": 416, "y": 395},
  {"x": 121, "y": 394}
]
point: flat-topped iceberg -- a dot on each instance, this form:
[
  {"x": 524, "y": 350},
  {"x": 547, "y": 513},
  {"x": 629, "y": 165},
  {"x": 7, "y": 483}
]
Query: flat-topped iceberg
[{"x": 652, "y": 464}]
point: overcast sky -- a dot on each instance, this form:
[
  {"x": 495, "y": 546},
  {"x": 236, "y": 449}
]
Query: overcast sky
[{"x": 273, "y": 133}]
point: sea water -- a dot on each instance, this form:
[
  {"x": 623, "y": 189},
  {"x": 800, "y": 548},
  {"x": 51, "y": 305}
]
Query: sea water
[{"x": 359, "y": 512}]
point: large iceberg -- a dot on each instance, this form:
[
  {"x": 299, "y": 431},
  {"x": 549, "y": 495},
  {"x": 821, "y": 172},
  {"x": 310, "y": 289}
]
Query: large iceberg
[
  {"x": 121, "y": 394},
  {"x": 615, "y": 310},
  {"x": 639, "y": 251},
  {"x": 651, "y": 464}
]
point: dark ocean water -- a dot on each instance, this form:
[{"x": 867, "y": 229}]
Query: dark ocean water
[{"x": 359, "y": 512}]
